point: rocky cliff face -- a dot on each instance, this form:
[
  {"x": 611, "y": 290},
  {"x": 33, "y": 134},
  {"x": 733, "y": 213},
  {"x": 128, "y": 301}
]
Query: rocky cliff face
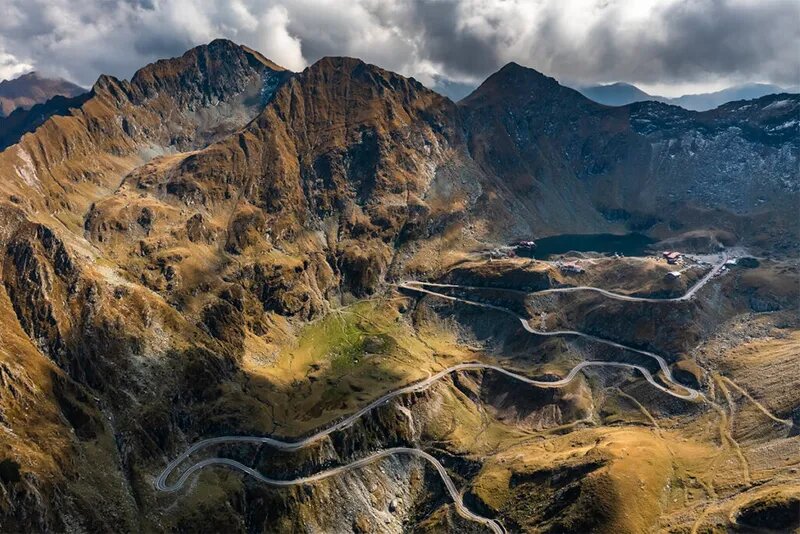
[
  {"x": 82, "y": 153},
  {"x": 163, "y": 234},
  {"x": 737, "y": 157},
  {"x": 578, "y": 164},
  {"x": 311, "y": 196}
]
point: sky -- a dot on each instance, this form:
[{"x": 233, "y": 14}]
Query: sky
[{"x": 667, "y": 47}]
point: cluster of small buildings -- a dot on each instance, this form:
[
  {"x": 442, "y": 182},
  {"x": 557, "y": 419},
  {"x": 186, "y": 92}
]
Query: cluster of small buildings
[
  {"x": 523, "y": 248},
  {"x": 673, "y": 258},
  {"x": 501, "y": 252}
]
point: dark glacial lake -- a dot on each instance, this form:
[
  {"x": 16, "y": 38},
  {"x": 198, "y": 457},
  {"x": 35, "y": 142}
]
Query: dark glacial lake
[{"x": 626, "y": 244}]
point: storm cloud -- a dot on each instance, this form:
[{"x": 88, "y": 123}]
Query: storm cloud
[{"x": 453, "y": 43}]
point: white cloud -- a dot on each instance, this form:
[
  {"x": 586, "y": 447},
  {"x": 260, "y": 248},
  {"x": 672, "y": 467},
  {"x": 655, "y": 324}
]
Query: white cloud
[
  {"x": 276, "y": 43},
  {"x": 11, "y": 67},
  {"x": 652, "y": 42}
]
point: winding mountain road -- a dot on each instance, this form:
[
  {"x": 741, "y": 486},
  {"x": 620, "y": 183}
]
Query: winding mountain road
[
  {"x": 420, "y": 287},
  {"x": 458, "y": 499},
  {"x": 161, "y": 480},
  {"x": 162, "y": 485},
  {"x": 610, "y": 294},
  {"x": 662, "y": 363},
  {"x": 692, "y": 394}
]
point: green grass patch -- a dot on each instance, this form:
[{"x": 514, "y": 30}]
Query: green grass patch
[{"x": 344, "y": 337}]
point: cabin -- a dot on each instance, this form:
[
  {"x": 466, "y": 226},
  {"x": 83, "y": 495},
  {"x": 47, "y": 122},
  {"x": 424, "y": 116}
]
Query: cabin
[
  {"x": 672, "y": 257},
  {"x": 673, "y": 275}
]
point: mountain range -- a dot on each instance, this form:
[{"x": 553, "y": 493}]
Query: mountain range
[
  {"x": 29, "y": 89},
  {"x": 620, "y": 94},
  {"x": 166, "y": 239}
]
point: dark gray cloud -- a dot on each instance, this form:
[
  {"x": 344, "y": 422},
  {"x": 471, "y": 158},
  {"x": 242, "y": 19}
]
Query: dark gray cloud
[
  {"x": 446, "y": 43},
  {"x": 463, "y": 50}
]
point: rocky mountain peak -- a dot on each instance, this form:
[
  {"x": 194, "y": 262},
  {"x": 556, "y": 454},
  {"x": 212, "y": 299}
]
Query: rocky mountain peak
[
  {"x": 343, "y": 96},
  {"x": 28, "y": 77},
  {"x": 107, "y": 84},
  {"x": 515, "y": 83},
  {"x": 203, "y": 75},
  {"x": 349, "y": 72},
  {"x": 339, "y": 62},
  {"x": 178, "y": 104}
]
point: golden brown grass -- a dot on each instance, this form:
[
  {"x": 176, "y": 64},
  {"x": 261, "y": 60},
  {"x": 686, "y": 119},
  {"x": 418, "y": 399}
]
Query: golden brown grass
[{"x": 333, "y": 366}]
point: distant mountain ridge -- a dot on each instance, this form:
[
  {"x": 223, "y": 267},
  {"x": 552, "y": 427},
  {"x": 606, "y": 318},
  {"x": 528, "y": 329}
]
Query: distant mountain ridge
[
  {"x": 617, "y": 94},
  {"x": 621, "y": 93},
  {"x": 32, "y": 88}
]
